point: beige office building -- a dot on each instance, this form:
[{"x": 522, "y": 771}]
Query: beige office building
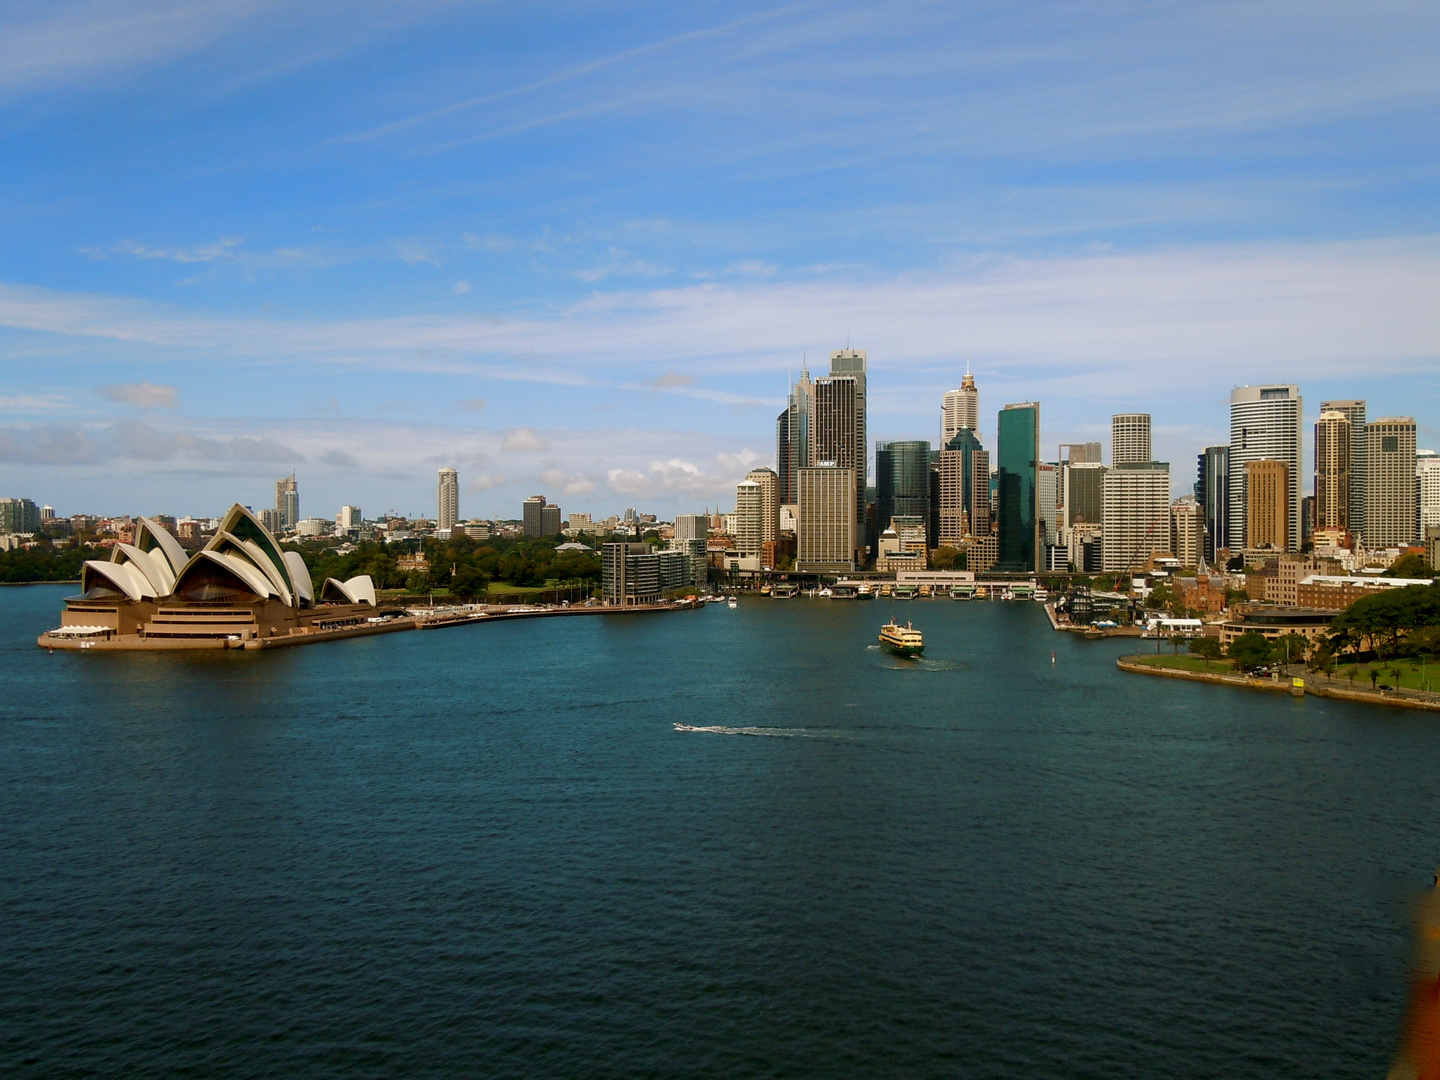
[
  {"x": 1334, "y": 451},
  {"x": 448, "y": 511},
  {"x": 1267, "y": 505},
  {"x": 1136, "y": 514},
  {"x": 1390, "y": 485},
  {"x": 826, "y": 534},
  {"x": 769, "y": 482},
  {"x": 1187, "y": 531},
  {"x": 960, "y": 409},
  {"x": 1130, "y": 438}
]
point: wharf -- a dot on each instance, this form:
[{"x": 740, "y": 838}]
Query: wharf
[{"x": 494, "y": 612}]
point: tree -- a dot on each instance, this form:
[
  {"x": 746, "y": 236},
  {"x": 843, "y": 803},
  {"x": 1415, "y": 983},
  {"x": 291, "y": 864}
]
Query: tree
[
  {"x": 1175, "y": 641},
  {"x": 417, "y": 582},
  {"x": 1351, "y": 672},
  {"x": 1292, "y": 648},
  {"x": 1249, "y": 651},
  {"x": 1374, "y": 678},
  {"x": 1410, "y": 565},
  {"x": 1383, "y": 622},
  {"x": 1208, "y": 648},
  {"x": 943, "y": 557},
  {"x": 469, "y": 582}
]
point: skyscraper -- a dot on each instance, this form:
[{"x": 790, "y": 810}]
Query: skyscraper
[
  {"x": 532, "y": 514},
  {"x": 1081, "y": 453},
  {"x": 1427, "y": 488},
  {"x": 1136, "y": 517},
  {"x": 1268, "y": 487},
  {"x": 1334, "y": 444},
  {"x": 769, "y": 502},
  {"x": 960, "y": 409},
  {"x": 1390, "y": 485},
  {"x": 1084, "y": 493},
  {"x": 1186, "y": 531},
  {"x": 1264, "y": 426},
  {"x": 826, "y": 533},
  {"x": 1018, "y": 453},
  {"x": 1212, "y": 492},
  {"x": 1354, "y": 411},
  {"x": 287, "y": 501},
  {"x": 448, "y": 512},
  {"x": 837, "y": 426},
  {"x": 964, "y": 489},
  {"x": 902, "y": 481},
  {"x": 792, "y": 437},
  {"x": 1129, "y": 438},
  {"x": 749, "y": 513}
]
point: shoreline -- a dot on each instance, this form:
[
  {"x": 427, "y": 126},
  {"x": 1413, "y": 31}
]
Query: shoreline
[
  {"x": 131, "y": 643},
  {"x": 1312, "y": 687}
]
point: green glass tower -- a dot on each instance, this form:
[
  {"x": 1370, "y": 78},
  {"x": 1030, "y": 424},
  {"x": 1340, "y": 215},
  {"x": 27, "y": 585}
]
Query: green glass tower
[{"x": 1018, "y": 454}]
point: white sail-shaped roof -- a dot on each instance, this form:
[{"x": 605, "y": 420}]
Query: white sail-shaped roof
[
  {"x": 153, "y": 564},
  {"x": 121, "y": 576},
  {"x": 358, "y": 590},
  {"x": 300, "y": 578},
  {"x": 152, "y": 537},
  {"x": 236, "y": 566}
]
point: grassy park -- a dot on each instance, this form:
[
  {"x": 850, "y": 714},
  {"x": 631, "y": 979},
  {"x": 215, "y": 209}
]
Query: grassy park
[{"x": 1186, "y": 662}]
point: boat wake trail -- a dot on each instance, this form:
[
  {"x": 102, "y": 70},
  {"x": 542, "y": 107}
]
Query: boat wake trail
[{"x": 722, "y": 729}]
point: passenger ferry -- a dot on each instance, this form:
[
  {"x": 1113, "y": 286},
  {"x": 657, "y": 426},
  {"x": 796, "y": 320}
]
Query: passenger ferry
[
  {"x": 904, "y": 592},
  {"x": 962, "y": 592},
  {"x": 902, "y": 640}
]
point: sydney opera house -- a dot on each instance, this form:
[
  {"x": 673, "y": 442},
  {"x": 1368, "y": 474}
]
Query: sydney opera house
[{"x": 240, "y": 591}]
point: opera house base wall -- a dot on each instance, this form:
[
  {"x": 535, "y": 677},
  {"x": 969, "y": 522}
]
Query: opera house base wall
[{"x": 152, "y": 625}]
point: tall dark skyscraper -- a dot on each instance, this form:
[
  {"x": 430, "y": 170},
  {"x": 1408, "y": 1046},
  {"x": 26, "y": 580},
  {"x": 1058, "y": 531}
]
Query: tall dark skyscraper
[
  {"x": 1017, "y": 449},
  {"x": 792, "y": 438},
  {"x": 1212, "y": 492}
]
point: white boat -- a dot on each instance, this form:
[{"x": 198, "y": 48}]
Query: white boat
[
  {"x": 734, "y": 603},
  {"x": 1042, "y": 595},
  {"x": 826, "y": 592}
]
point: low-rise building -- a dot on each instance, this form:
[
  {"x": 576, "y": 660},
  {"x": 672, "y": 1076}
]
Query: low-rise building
[
  {"x": 1330, "y": 592},
  {"x": 1273, "y": 622},
  {"x": 1202, "y": 592}
]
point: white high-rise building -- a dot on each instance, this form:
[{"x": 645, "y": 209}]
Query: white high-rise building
[
  {"x": 1264, "y": 426},
  {"x": 1136, "y": 518},
  {"x": 749, "y": 513},
  {"x": 1130, "y": 438},
  {"x": 1427, "y": 487},
  {"x": 961, "y": 409},
  {"x": 769, "y": 502},
  {"x": 1390, "y": 487},
  {"x": 448, "y": 512},
  {"x": 348, "y": 519}
]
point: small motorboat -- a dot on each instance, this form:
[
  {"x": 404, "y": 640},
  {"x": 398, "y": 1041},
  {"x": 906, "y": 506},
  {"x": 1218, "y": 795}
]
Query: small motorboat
[{"x": 733, "y": 602}]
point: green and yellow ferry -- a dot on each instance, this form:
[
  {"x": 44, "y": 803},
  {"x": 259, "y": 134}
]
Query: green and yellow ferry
[{"x": 902, "y": 640}]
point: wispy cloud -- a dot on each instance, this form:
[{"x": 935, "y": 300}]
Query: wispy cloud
[
  {"x": 142, "y": 395},
  {"x": 224, "y": 248},
  {"x": 523, "y": 441}
]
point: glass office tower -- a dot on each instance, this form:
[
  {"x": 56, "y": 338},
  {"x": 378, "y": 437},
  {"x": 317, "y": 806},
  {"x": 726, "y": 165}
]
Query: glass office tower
[
  {"x": 902, "y": 481},
  {"x": 1018, "y": 459}
]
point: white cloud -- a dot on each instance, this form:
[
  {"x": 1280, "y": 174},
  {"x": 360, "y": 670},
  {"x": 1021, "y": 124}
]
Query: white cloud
[
  {"x": 223, "y": 248},
  {"x": 523, "y": 440},
  {"x": 485, "y": 482},
  {"x": 460, "y": 289},
  {"x": 142, "y": 395}
]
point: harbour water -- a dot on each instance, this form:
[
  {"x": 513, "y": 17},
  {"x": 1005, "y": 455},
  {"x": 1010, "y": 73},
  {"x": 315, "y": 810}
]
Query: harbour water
[{"x": 488, "y": 852}]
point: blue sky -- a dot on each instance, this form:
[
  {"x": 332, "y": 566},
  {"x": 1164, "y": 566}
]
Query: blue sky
[{"x": 576, "y": 249}]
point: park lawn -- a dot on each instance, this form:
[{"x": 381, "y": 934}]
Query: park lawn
[
  {"x": 1411, "y": 673},
  {"x": 1186, "y": 662},
  {"x": 499, "y": 588}
]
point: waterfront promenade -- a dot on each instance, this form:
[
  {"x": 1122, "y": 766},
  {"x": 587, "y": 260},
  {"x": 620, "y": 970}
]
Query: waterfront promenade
[{"x": 1283, "y": 682}]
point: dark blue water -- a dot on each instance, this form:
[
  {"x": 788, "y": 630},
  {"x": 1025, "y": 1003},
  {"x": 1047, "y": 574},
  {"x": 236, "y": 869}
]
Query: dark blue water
[{"x": 487, "y": 852}]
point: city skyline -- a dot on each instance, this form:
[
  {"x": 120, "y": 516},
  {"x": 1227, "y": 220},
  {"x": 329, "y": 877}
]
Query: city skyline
[{"x": 526, "y": 255}]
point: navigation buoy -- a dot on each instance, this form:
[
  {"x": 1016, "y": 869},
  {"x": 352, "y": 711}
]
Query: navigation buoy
[{"x": 1052, "y": 659}]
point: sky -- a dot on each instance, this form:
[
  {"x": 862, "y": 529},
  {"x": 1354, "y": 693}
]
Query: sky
[{"x": 580, "y": 249}]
